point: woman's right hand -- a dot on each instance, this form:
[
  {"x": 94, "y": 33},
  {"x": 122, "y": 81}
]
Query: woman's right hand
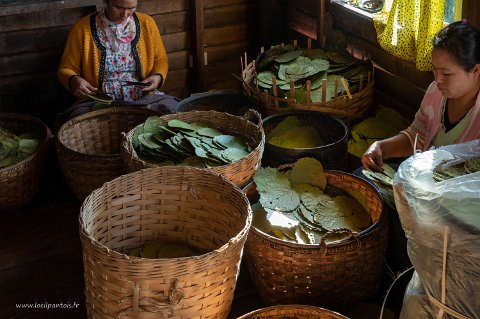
[
  {"x": 80, "y": 87},
  {"x": 373, "y": 158}
]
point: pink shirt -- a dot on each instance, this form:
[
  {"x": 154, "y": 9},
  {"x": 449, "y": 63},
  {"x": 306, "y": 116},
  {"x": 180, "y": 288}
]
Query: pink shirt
[{"x": 428, "y": 120}]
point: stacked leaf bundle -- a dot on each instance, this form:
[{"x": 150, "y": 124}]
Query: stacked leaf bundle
[
  {"x": 386, "y": 123},
  {"x": 14, "y": 149},
  {"x": 196, "y": 144},
  {"x": 290, "y": 133},
  {"x": 443, "y": 172},
  {"x": 316, "y": 74},
  {"x": 296, "y": 205},
  {"x": 384, "y": 181}
]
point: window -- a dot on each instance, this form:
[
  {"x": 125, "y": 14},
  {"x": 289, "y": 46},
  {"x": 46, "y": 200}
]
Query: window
[{"x": 453, "y": 11}]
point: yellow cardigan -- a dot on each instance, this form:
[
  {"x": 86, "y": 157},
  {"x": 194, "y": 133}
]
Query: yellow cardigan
[{"x": 84, "y": 55}]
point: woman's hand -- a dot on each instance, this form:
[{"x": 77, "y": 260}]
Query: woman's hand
[
  {"x": 80, "y": 87},
  {"x": 373, "y": 158},
  {"x": 153, "y": 81}
]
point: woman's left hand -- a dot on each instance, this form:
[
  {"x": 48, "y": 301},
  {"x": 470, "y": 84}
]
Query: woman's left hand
[{"x": 153, "y": 81}]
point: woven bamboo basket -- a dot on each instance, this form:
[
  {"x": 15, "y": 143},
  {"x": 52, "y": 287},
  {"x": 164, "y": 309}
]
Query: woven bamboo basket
[
  {"x": 239, "y": 172},
  {"x": 174, "y": 204},
  {"x": 292, "y": 311},
  {"x": 333, "y": 275},
  {"x": 349, "y": 107},
  {"x": 88, "y": 146},
  {"x": 20, "y": 182}
]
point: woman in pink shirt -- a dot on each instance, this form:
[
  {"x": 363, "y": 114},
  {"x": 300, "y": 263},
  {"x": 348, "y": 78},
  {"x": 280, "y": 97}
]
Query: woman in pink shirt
[{"x": 450, "y": 110}]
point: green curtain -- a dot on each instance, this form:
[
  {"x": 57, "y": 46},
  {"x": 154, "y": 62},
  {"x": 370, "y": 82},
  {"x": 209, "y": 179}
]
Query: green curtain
[{"x": 405, "y": 28}]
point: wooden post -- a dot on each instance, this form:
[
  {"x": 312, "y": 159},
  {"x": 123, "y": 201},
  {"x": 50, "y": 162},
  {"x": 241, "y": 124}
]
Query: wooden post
[
  {"x": 324, "y": 90},
  {"x": 199, "y": 84},
  {"x": 321, "y": 25}
]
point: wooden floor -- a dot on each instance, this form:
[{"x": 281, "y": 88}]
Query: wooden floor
[{"x": 41, "y": 257}]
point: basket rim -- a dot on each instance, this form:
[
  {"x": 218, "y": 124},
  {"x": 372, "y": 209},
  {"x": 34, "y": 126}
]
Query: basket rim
[
  {"x": 242, "y": 233},
  {"x": 290, "y": 307},
  {"x": 305, "y": 112},
  {"x": 196, "y": 96},
  {"x": 44, "y": 143},
  {"x": 337, "y": 243},
  {"x": 61, "y": 147}
]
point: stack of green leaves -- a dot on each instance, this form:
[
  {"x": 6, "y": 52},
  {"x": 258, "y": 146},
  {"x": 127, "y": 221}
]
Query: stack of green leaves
[
  {"x": 196, "y": 144},
  {"x": 293, "y": 205},
  {"x": 471, "y": 165},
  {"x": 292, "y": 63},
  {"x": 386, "y": 123},
  {"x": 290, "y": 133},
  {"x": 14, "y": 149},
  {"x": 384, "y": 182}
]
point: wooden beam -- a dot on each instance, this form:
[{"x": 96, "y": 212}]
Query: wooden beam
[
  {"x": 321, "y": 24},
  {"x": 197, "y": 28},
  {"x": 471, "y": 12},
  {"x": 21, "y": 7}
]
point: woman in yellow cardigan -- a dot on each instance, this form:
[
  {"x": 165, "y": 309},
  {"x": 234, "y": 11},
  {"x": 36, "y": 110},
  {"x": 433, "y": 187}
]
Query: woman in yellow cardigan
[{"x": 117, "y": 51}]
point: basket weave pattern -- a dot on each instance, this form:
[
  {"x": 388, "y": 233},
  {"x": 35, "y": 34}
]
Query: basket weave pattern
[
  {"x": 88, "y": 146},
  {"x": 335, "y": 275},
  {"x": 176, "y": 204},
  {"x": 19, "y": 182},
  {"x": 346, "y": 107},
  {"x": 239, "y": 172},
  {"x": 292, "y": 311}
]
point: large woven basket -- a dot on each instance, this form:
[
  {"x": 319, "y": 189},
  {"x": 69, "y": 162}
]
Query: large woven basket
[
  {"x": 239, "y": 172},
  {"x": 333, "y": 275},
  {"x": 20, "y": 182},
  {"x": 292, "y": 311},
  {"x": 88, "y": 146},
  {"x": 174, "y": 204},
  {"x": 348, "y": 107}
]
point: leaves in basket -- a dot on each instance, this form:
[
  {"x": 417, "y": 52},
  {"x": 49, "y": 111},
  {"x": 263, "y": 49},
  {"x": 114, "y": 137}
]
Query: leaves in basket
[
  {"x": 290, "y": 133},
  {"x": 290, "y": 63},
  {"x": 177, "y": 142},
  {"x": 14, "y": 149},
  {"x": 308, "y": 170},
  {"x": 446, "y": 171},
  {"x": 294, "y": 207}
]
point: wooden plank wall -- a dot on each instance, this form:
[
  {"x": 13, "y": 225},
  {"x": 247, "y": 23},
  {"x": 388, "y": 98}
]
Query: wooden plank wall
[
  {"x": 172, "y": 18},
  {"x": 230, "y": 28},
  {"x": 303, "y": 19},
  {"x": 32, "y": 44}
]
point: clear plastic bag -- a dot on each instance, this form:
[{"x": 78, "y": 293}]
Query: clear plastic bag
[{"x": 425, "y": 208}]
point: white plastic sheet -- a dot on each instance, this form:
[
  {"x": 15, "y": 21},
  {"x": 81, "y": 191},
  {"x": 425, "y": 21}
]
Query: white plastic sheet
[{"x": 425, "y": 208}]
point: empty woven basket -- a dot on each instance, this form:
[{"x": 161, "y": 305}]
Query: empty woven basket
[
  {"x": 174, "y": 204},
  {"x": 88, "y": 146}
]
